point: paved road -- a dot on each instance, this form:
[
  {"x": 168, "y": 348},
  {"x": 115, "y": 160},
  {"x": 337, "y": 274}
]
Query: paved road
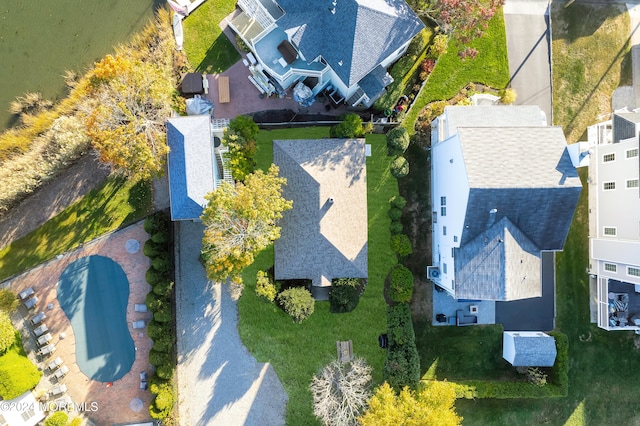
[
  {"x": 528, "y": 41},
  {"x": 219, "y": 381}
]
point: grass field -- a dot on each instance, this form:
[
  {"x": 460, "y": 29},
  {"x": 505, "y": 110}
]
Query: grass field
[
  {"x": 297, "y": 351},
  {"x": 116, "y": 203},
  {"x": 207, "y": 48}
]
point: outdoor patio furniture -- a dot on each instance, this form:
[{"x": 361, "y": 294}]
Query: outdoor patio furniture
[
  {"x": 37, "y": 318},
  {"x": 59, "y": 390},
  {"x": 26, "y": 293},
  {"x": 223, "y": 89},
  {"x": 62, "y": 403},
  {"x": 143, "y": 375},
  {"x": 40, "y": 330},
  {"x": 462, "y": 319},
  {"x": 44, "y": 339},
  {"x": 138, "y": 324},
  {"x": 192, "y": 84},
  {"x": 62, "y": 371},
  {"x": 205, "y": 84},
  {"x": 144, "y": 385},
  {"x": 47, "y": 350},
  {"x": 31, "y": 303},
  {"x": 345, "y": 350},
  {"x": 55, "y": 363},
  {"x": 140, "y": 307}
]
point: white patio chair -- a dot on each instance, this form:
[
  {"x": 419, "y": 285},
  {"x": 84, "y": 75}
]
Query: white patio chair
[
  {"x": 140, "y": 307},
  {"x": 61, "y": 372},
  {"x": 47, "y": 350},
  {"x": 40, "y": 330},
  {"x": 26, "y": 293},
  {"x": 37, "y": 318},
  {"x": 55, "y": 363},
  {"x": 44, "y": 339},
  {"x": 138, "y": 324},
  {"x": 31, "y": 303},
  {"x": 59, "y": 390}
]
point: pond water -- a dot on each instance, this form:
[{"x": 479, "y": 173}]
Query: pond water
[{"x": 39, "y": 40}]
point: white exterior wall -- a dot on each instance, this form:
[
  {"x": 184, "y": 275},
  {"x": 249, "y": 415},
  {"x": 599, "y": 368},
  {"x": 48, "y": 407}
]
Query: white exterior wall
[
  {"x": 448, "y": 179},
  {"x": 395, "y": 55}
]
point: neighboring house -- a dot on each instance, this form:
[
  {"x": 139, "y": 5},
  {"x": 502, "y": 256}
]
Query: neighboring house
[
  {"x": 614, "y": 221},
  {"x": 345, "y": 44},
  {"x": 529, "y": 349},
  {"x": 23, "y": 410},
  {"x": 503, "y": 191},
  {"x": 324, "y": 235},
  {"x": 196, "y": 163}
]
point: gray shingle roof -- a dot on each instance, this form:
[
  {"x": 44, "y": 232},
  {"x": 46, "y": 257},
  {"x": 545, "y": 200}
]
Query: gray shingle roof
[
  {"x": 534, "y": 351},
  {"x": 321, "y": 240},
  {"x": 624, "y": 125},
  {"x": 499, "y": 264},
  {"x": 374, "y": 83},
  {"x": 526, "y": 174},
  {"x": 191, "y": 165},
  {"x": 360, "y": 34},
  {"x": 493, "y": 116}
]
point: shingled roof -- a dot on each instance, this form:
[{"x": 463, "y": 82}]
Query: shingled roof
[
  {"x": 324, "y": 235},
  {"x": 355, "y": 39},
  {"x": 529, "y": 349}
]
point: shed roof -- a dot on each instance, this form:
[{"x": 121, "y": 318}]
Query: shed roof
[
  {"x": 322, "y": 239},
  {"x": 532, "y": 349}
]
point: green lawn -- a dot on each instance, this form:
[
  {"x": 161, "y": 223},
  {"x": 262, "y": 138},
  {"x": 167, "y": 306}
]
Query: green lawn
[
  {"x": 116, "y": 203},
  {"x": 297, "y": 351},
  {"x": 490, "y": 67},
  {"x": 17, "y": 373},
  {"x": 207, "y": 48}
]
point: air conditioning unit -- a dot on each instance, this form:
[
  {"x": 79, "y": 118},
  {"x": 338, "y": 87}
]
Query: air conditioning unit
[{"x": 433, "y": 273}]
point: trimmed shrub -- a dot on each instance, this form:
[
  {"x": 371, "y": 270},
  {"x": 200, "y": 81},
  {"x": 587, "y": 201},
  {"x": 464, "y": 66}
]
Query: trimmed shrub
[
  {"x": 400, "y": 284},
  {"x": 163, "y": 402},
  {"x": 156, "y": 223},
  {"x": 163, "y": 315},
  {"x": 399, "y": 325},
  {"x": 152, "y": 249},
  {"x": 163, "y": 288},
  {"x": 297, "y": 302},
  {"x": 508, "y": 96},
  {"x": 559, "y": 374},
  {"x": 159, "y": 358},
  {"x": 396, "y": 227},
  {"x": 439, "y": 45},
  {"x": 154, "y": 302},
  {"x": 344, "y": 295},
  {"x": 265, "y": 288},
  {"x": 165, "y": 371},
  {"x": 8, "y": 300},
  {"x": 153, "y": 276},
  {"x": 350, "y": 127},
  {"x": 500, "y": 389},
  {"x": 395, "y": 213},
  {"x": 7, "y": 332},
  {"x": 401, "y": 245},
  {"x": 399, "y": 167},
  {"x": 397, "y": 141},
  {"x": 161, "y": 237},
  {"x": 59, "y": 418},
  {"x": 402, "y": 367},
  {"x": 17, "y": 373},
  {"x": 398, "y": 201},
  {"x": 163, "y": 343},
  {"x": 161, "y": 263},
  {"x": 156, "y": 329}
]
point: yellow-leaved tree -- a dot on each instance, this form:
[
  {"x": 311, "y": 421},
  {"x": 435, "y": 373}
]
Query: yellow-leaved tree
[
  {"x": 430, "y": 405},
  {"x": 240, "y": 221}
]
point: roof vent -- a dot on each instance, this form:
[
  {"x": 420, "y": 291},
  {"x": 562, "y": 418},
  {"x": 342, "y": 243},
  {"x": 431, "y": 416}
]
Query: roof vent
[
  {"x": 331, "y": 200},
  {"x": 332, "y": 10},
  {"x": 339, "y": 62},
  {"x": 493, "y": 211}
]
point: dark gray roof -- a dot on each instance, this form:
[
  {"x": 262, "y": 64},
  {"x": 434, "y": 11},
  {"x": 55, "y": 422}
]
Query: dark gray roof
[
  {"x": 359, "y": 35},
  {"x": 493, "y": 116},
  {"x": 191, "y": 165},
  {"x": 373, "y": 84},
  {"x": 525, "y": 173},
  {"x": 534, "y": 351},
  {"x": 499, "y": 264},
  {"x": 624, "y": 125},
  {"x": 322, "y": 239}
]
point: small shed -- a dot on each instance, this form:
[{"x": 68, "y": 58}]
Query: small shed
[{"x": 529, "y": 349}]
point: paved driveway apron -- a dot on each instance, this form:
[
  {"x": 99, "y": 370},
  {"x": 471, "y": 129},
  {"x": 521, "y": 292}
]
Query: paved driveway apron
[
  {"x": 219, "y": 381},
  {"x": 528, "y": 41}
]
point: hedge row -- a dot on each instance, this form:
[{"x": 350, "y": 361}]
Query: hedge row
[
  {"x": 402, "y": 366},
  {"x": 158, "y": 301}
]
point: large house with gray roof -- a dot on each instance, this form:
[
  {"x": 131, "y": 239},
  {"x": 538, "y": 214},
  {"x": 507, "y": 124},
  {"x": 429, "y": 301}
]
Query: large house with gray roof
[
  {"x": 341, "y": 45},
  {"x": 614, "y": 221},
  {"x": 503, "y": 191},
  {"x": 324, "y": 235}
]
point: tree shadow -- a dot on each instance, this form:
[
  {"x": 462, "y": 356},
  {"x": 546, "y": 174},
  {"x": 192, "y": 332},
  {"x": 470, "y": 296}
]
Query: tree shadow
[{"x": 583, "y": 20}]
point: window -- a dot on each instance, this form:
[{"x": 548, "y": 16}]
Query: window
[
  {"x": 28, "y": 414},
  {"x": 455, "y": 238},
  {"x": 444, "y": 268},
  {"x": 634, "y": 272},
  {"x": 632, "y": 153},
  {"x": 610, "y": 231},
  {"x": 610, "y": 267},
  {"x": 443, "y": 211},
  {"x": 607, "y": 158},
  {"x": 443, "y": 201},
  {"x": 632, "y": 183},
  {"x": 453, "y": 252},
  {"x": 608, "y": 186},
  {"x": 444, "y": 230}
]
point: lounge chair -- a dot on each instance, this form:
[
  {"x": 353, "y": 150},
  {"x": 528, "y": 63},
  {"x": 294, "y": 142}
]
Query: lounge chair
[
  {"x": 24, "y": 294},
  {"x": 44, "y": 339},
  {"x": 59, "y": 390},
  {"x": 138, "y": 324},
  {"x": 55, "y": 363},
  {"x": 37, "y": 318},
  {"x": 144, "y": 385},
  {"x": 31, "y": 303},
  {"x": 40, "y": 330},
  {"x": 140, "y": 307},
  {"x": 62, "y": 371},
  {"x": 143, "y": 376},
  {"x": 47, "y": 350}
]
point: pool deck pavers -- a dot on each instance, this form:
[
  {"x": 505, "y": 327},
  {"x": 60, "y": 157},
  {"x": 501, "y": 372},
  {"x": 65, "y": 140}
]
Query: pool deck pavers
[{"x": 112, "y": 401}]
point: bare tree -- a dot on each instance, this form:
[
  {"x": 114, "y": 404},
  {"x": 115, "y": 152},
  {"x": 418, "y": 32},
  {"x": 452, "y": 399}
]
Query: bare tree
[{"x": 341, "y": 392}]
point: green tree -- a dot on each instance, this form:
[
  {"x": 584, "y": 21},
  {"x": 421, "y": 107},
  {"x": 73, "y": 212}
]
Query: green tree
[
  {"x": 431, "y": 405},
  {"x": 59, "y": 418},
  {"x": 245, "y": 127},
  {"x": 7, "y": 332},
  {"x": 240, "y": 154},
  {"x": 8, "y": 300},
  {"x": 351, "y": 126},
  {"x": 397, "y": 140},
  {"x": 297, "y": 302},
  {"x": 240, "y": 221}
]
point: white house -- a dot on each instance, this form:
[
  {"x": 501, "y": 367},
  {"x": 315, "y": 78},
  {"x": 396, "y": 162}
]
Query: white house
[
  {"x": 344, "y": 46},
  {"x": 529, "y": 349},
  {"x": 503, "y": 190},
  {"x": 23, "y": 410},
  {"x": 614, "y": 221}
]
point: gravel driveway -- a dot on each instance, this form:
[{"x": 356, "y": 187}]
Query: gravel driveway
[{"x": 219, "y": 381}]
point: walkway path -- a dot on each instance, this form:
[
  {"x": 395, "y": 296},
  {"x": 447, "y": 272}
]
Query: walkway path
[{"x": 219, "y": 381}]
